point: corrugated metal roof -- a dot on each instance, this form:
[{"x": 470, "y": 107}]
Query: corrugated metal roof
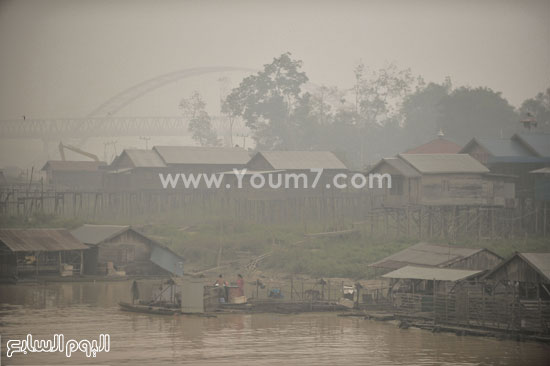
[
  {"x": 73, "y": 165},
  {"x": 503, "y": 147},
  {"x": 537, "y": 143},
  {"x": 39, "y": 240},
  {"x": 181, "y": 155},
  {"x": 436, "y": 146},
  {"x": 425, "y": 254},
  {"x": 430, "y": 273},
  {"x": 95, "y": 234},
  {"x": 399, "y": 165},
  {"x": 541, "y": 261},
  {"x": 145, "y": 158},
  {"x": 444, "y": 163},
  {"x": 303, "y": 160}
]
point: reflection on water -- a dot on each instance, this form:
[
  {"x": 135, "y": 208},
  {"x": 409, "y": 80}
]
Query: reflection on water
[{"x": 84, "y": 310}]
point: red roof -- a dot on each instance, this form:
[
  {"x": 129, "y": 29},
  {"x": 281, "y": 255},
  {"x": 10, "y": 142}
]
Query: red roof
[{"x": 437, "y": 146}]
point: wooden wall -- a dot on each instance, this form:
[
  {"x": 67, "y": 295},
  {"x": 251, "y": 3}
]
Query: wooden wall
[
  {"x": 517, "y": 270},
  {"x": 479, "y": 261}
]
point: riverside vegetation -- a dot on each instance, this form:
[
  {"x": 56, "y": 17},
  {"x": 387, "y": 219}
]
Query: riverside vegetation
[{"x": 207, "y": 242}]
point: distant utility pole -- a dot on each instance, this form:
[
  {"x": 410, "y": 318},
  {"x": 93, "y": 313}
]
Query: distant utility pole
[{"x": 146, "y": 139}]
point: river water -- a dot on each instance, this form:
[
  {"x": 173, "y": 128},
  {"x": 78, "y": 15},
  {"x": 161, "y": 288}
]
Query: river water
[{"x": 85, "y": 310}]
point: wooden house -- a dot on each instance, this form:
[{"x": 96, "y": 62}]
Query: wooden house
[
  {"x": 515, "y": 157},
  {"x": 75, "y": 175},
  {"x": 35, "y": 252},
  {"x": 440, "y": 179},
  {"x": 200, "y": 159},
  {"x": 441, "y": 256},
  {"x": 299, "y": 163},
  {"x": 137, "y": 169},
  {"x": 122, "y": 250}
]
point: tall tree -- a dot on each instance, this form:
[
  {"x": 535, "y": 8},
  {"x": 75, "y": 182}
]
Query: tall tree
[
  {"x": 379, "y": 94},
  {"x": 200, "y": 123},
  {"x": 268, "y": 102}
]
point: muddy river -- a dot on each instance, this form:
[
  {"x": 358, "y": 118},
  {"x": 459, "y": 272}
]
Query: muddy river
[{"x": 83, "y": 311}]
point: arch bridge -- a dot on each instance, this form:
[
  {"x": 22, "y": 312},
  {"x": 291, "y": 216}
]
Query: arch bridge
[{"x": 102, "y": 121}]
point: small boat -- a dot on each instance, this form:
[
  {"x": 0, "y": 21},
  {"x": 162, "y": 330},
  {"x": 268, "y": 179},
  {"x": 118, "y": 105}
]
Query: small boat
[{"x": 149, "y": 309}]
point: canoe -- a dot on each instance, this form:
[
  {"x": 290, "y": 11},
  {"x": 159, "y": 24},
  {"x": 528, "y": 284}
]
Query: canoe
[{"x": 148, "y": 309}]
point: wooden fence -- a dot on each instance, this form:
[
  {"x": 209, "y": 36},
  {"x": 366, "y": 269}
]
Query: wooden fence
[{"x": 331, "y": 209}]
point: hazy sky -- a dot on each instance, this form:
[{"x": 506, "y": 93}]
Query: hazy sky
[{"x": 64, "y": 58}]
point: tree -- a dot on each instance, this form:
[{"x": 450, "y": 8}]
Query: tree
[
  {"x": 200, "y": 123},
  {"x": 461, "y": 113},
  {"x": 422, "y": 112},
  {"x": 379, "y": 94},
  {"x": 268, "y": 102},
  {"x": 476, "y": 112}
]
